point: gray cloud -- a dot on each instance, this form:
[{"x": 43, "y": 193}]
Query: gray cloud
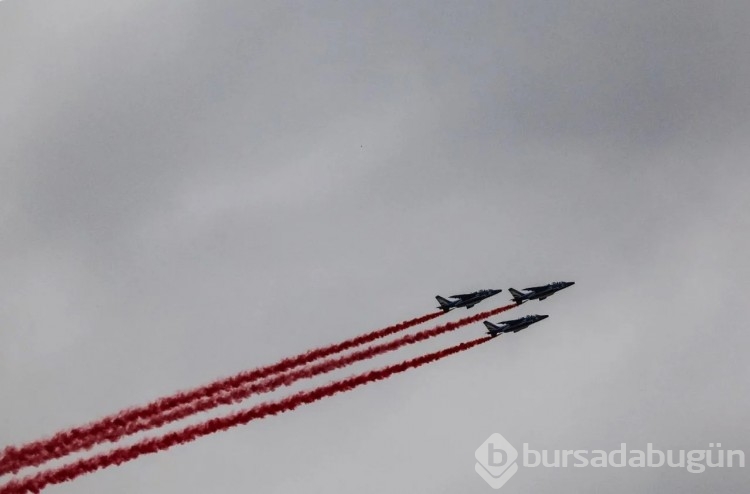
[{"x": 190, "y": 189}]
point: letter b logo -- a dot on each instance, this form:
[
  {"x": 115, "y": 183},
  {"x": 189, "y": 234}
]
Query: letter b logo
[{"x": 496, "y": 460}]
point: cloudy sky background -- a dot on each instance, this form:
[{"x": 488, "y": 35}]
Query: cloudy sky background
[{"x": 189, "y": 189}]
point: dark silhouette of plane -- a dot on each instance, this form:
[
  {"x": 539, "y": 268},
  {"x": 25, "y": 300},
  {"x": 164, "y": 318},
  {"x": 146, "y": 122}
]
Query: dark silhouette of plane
[
  {"x": 512, "y": 326},
  {"x": 467, "y": 300},
  {"x": 539, "y": 292}
]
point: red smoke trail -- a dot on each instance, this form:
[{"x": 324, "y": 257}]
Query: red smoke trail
[
  {"x": 237, "y": 393},
  {"x": 37, "y": 452},
  {"x": 65, "y": 473}
]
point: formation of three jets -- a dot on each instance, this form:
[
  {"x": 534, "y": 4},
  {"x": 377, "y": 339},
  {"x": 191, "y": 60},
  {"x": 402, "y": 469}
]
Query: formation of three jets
[{"x": 469, "y": 300}]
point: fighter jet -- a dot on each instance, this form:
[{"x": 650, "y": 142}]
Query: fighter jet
[
  {"x": 539, "y": 292},
  {"x": 514, "y": 325},
  {"x": 467, "y": 300}
]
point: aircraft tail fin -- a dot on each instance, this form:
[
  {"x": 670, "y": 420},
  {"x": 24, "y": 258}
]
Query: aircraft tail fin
[
  {"x": 445, "y": 304},
  {"x": 491, "y": 328},
  {"x": 517, "y": 296}
]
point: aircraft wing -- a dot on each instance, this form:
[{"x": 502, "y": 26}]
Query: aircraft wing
[
  {"x": 463, "y": 296},
  {"x": 535, "y": 288}
]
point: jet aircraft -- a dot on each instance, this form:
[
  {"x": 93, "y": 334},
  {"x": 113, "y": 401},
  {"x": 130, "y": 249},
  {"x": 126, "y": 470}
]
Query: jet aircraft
[
  {"x": 467, "y": 300},
  {"x": 514, "y": 325},
  {"x": 539, "y": 292}
]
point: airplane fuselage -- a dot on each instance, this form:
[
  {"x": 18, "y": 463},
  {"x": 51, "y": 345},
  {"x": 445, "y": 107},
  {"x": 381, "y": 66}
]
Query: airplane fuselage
[
  {"x": 541, "y": 292},
  {"x": 468, "y": 300},
  {"x": 513, "y": 326}
]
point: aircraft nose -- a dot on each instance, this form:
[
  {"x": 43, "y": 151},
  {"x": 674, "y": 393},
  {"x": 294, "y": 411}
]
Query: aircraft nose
[
  {"x": 570, "y": 283},
  {"x": 544, "y": 317}
]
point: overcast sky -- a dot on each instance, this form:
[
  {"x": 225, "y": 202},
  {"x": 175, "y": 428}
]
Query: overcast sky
[{"x": 190, "y": 189}]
